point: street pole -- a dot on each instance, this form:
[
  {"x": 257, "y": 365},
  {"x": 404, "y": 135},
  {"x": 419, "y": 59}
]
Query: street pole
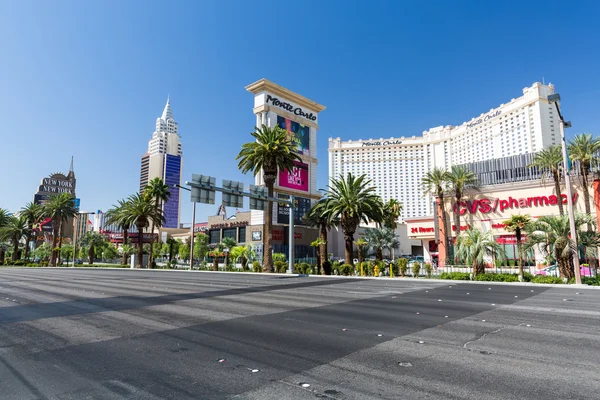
[
  {"x": 192, "y": 239},
  {"x": 291, "y": 237},
  {"x": 75, "y": 238},
  {"x": 569, "y": 199}
]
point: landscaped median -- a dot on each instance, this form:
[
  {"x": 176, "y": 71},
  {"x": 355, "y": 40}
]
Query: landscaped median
[{"x": 349, "y": 271}]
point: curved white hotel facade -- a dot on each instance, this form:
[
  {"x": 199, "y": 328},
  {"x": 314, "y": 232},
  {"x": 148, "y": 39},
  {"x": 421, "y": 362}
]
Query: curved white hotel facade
[{"x": 396, "y": 165}]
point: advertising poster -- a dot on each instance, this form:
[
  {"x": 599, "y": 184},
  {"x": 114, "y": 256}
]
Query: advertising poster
[
  {"x": 296, "y": 179},
  {"x": 299, "y": 133},
  {"x": 302, "y": 207}
]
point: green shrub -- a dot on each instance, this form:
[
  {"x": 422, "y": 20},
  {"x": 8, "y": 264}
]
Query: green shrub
[
  {"x": 335, "y": 268},
  {"x": 279, "y": 257},
  {"x": 416, "y": 268},
  {"x": 305, "y": 268},
  {"x": 256, "y": 266},
  {"x": 44, "y": 263},
  {"x": 327, "y": 268},
  {"x": 498, "y": 277},
  {"x": 18, "y": 263},
  {"x": 280, "y": 266},
  {"x": 593, "y": 281},
  {"x": 456, "y": 276},
  {"x": 511, "y": 263},
  {"x": 428, "y": 269},
  {"x": 402, "y": 266},
  {"x": 547, "y": 279},
  {"x": 297, "y": 269},
  {"x": 346, "y": 269},
  {"x": 527, "y": 277}
]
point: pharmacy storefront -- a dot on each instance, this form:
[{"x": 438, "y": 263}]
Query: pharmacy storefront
[{"x": 488, "y": 208}]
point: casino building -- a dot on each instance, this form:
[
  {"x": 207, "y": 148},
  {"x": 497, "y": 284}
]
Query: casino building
[
  {"x": 509, "y": 187},
  {"x": 396, "y": 165}
]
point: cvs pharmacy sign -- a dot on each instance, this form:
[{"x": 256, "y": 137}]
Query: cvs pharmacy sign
[{"x": 486, "y": 206}]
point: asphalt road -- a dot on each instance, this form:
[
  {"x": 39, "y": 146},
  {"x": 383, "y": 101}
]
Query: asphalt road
[{"x": 129, "y": 334}]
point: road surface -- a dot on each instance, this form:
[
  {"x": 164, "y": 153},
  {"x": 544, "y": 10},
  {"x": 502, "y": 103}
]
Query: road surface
[{"x": 130, "y": 334}]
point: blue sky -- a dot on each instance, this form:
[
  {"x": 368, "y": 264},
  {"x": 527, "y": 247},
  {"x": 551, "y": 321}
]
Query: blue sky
[{"x": 89, "y": 79}]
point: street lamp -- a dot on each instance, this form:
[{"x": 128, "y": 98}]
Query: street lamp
[
  {"x": 192, "y": 228},
  {"x": 555, "y": 98}
]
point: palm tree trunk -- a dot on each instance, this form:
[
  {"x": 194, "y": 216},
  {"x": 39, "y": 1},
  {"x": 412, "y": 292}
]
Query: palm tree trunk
[
  {"x": 60, "y": 240},
  {"x": 27, "y": 240},
  {"x": 520, "y": 250},
  {"x": 2, "y": 256},
  {"x": 558, "y": 193},
  {"x": 125, "y": 237},
  {"x": 151, "y": 255},
  {"x": 323, "y": 247},
  {"x": 55, "y": 231},
  {"x": 91, "y": 254},
  {"x": 379, "y": 254},
  {"x": 140, "y": 230},
  {"x": 586, "y": 192},
  {"x": 349, "y": 249},
  {"x": 215, "y": 262},
  {"x": 15, "y": 254},
  {"x": 458, "y": 199},
  {"x": 267, "y": 234}
]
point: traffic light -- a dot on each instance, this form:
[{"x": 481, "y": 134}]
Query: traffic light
[
  {"x": 232, "y": 194},
  {"x": 203, "y": 189},
  {"x": 258, "y": 198}
]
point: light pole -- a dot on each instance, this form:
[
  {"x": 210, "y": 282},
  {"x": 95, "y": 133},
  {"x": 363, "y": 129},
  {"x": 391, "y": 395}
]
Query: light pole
[
  {"x": 555, "y": 98},
  {"x": 191, "y": 229}
]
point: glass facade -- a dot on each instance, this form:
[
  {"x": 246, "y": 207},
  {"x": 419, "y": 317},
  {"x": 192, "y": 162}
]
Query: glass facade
[
  {"x": 172, "y": 177},
  {"x": 241, "y": 234},
  {"x": 215, "y": 236}
]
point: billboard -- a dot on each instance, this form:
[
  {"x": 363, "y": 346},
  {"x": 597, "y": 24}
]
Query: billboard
[
  {"x": 300, "y": 134},
  {"x": 296, "y": 179},
  {"x": 301, "y": 207}
]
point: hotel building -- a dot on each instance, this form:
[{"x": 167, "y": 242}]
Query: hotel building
[
  {"x": 164, "y": 160},
  {"x": 396, "y": 165}
]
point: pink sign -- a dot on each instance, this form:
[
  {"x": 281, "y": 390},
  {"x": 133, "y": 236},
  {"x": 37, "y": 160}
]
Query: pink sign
[{"x": 297, "y": 178}]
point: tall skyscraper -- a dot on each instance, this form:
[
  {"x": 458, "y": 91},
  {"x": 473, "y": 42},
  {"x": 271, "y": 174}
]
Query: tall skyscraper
[{"x": 164, "y": 160}]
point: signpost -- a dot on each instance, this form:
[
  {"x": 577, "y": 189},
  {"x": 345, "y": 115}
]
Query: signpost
[{"x": 203, "y": 190}]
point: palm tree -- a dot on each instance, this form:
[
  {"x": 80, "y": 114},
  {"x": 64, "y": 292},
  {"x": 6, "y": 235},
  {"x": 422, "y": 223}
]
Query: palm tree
[
  {"x": 32, "y": 213},
  {"x": 583, "y": 148},
  {"x": 553, "y": 234},
  {"x": 435, "y": 182},
  {"x": 473, "y": 246},
  {"x": 317, "y": 244},
  {"x": 92, "y": 240},
  {"x": 272, "y": 150},
  {"x": 381, "y": 239},
  {"x": 392, "y": 211},
  {"x": 60, "y": 208},
  {"x": 550, "y": 159},
  {"x": 460, "y": 178},
  {"x": 4, "y": 217},
  {"x": 245, "y": 253},
  {"x": 361, "y": 247},
  {"x": 15, "y": 230},
  {"x": 352, "y": 200},
  {"x": 318, "y": 217},
  {"x": 228, "y": 244},
  {"x": 141, "y": 212},
  {"x": 158, "y": 191},
  {"x": 518, "y": 224},
  {"x": 3, "y": 248},
  {"x": 119, "y": 217}
]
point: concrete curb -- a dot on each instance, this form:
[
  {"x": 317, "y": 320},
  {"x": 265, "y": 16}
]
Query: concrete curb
[{"x": 383, "y": 278}]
